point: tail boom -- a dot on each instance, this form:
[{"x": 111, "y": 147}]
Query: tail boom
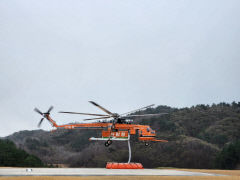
[{"x": 54, "y": 124}]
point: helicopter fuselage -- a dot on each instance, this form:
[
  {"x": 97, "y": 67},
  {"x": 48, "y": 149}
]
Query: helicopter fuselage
[{"x": 115, "y": 131}]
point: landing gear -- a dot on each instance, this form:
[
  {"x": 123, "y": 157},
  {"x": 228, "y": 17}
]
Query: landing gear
[
  {"x": 109, "y": 142},
  {"x": 106, "y": 144},
  {"x": 146, "y": 143}
]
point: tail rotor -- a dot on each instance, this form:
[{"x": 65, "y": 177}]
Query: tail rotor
[
  {"x": 40, "y": 122},
  {"x": 49, "y": 110},
  {"x": 44, "y": 115}
]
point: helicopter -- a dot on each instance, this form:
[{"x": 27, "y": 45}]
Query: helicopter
[{"x": 114, "y": 126}]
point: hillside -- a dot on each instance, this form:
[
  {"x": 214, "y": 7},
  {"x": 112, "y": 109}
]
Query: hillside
[
  {"x": 196, "y": 136},
  {"x": 10, "y": 155}
]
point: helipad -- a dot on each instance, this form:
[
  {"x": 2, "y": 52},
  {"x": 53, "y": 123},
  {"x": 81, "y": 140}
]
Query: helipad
[{"x": 96, "y": 172}]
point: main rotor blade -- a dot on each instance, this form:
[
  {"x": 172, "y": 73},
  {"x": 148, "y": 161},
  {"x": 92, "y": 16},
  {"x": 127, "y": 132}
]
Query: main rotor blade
[
  {"x": 102, "y": 108},
  {"x": 83, "y": 113},
  {"x": 40, "y": 122},
  {"x": 106, "y": 117},
  {"x": 144, "y": 115},
  {"x": 38, "y": 111},
  {"x": 49, "y": 110},
  {"x": 138, "y": 109}
]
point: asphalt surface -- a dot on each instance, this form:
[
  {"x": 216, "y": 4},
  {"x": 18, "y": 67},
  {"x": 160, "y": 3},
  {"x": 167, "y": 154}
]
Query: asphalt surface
[{"x": 96, "y": 172}]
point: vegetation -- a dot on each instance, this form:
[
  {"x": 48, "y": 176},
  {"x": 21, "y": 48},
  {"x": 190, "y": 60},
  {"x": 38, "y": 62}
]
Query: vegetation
[
  {"x": 229, "y": 157},
  {"x": 123, "y": 178},
  {"x": 10, "y": 155},
  {"x": 201, "y": 136}
]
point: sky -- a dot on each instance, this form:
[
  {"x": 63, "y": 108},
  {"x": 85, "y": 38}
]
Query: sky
[{"x": 121, "y": 54}]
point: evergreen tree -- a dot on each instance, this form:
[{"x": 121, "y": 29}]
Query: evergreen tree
[
  {"x": 10, "y": 155},
  {"x": 229, "y": 157}
]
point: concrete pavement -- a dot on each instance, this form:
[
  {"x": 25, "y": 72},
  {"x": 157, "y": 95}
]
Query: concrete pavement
[{"x": 96, "y": 172}]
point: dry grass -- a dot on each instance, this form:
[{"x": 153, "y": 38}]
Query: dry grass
[
  {"x": 123, "y": 178},
  {"x": 233, "y": 175}
]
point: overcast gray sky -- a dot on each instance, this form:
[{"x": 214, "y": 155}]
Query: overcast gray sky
[{"x": 123, "y": 54}]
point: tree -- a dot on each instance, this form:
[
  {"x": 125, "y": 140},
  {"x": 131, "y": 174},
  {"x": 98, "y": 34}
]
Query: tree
[
  {"x": 229, "y": 157},
  {"x": 10, "y": 155}
]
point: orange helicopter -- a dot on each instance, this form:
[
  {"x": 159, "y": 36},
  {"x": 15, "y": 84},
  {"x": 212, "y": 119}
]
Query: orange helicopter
[{"x": 115, "y": 127}]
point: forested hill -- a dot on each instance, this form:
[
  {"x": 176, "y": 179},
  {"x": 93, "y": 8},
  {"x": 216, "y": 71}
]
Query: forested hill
[
  {"x": 10, "y": 155},
  {"x": 217, "y": 124},
  {"x": 196, "y": 135}
]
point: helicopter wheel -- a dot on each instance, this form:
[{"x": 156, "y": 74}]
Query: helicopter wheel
[
  {"x": 106, "y": 144},
  {"x": 109, "y": 142},
  {"x": 146, "y": 143}
]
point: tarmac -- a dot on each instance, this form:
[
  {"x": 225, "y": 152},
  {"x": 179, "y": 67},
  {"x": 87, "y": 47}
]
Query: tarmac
[{"x": 96, "y": 172}]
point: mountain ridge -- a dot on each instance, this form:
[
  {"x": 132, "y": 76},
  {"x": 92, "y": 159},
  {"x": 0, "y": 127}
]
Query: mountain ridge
[{"x": 196, "y": 136}]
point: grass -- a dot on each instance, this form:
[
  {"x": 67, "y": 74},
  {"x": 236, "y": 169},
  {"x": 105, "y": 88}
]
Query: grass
[
  {"x": 123, "y": 178},
  {"x": 232, "y": 175}
]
